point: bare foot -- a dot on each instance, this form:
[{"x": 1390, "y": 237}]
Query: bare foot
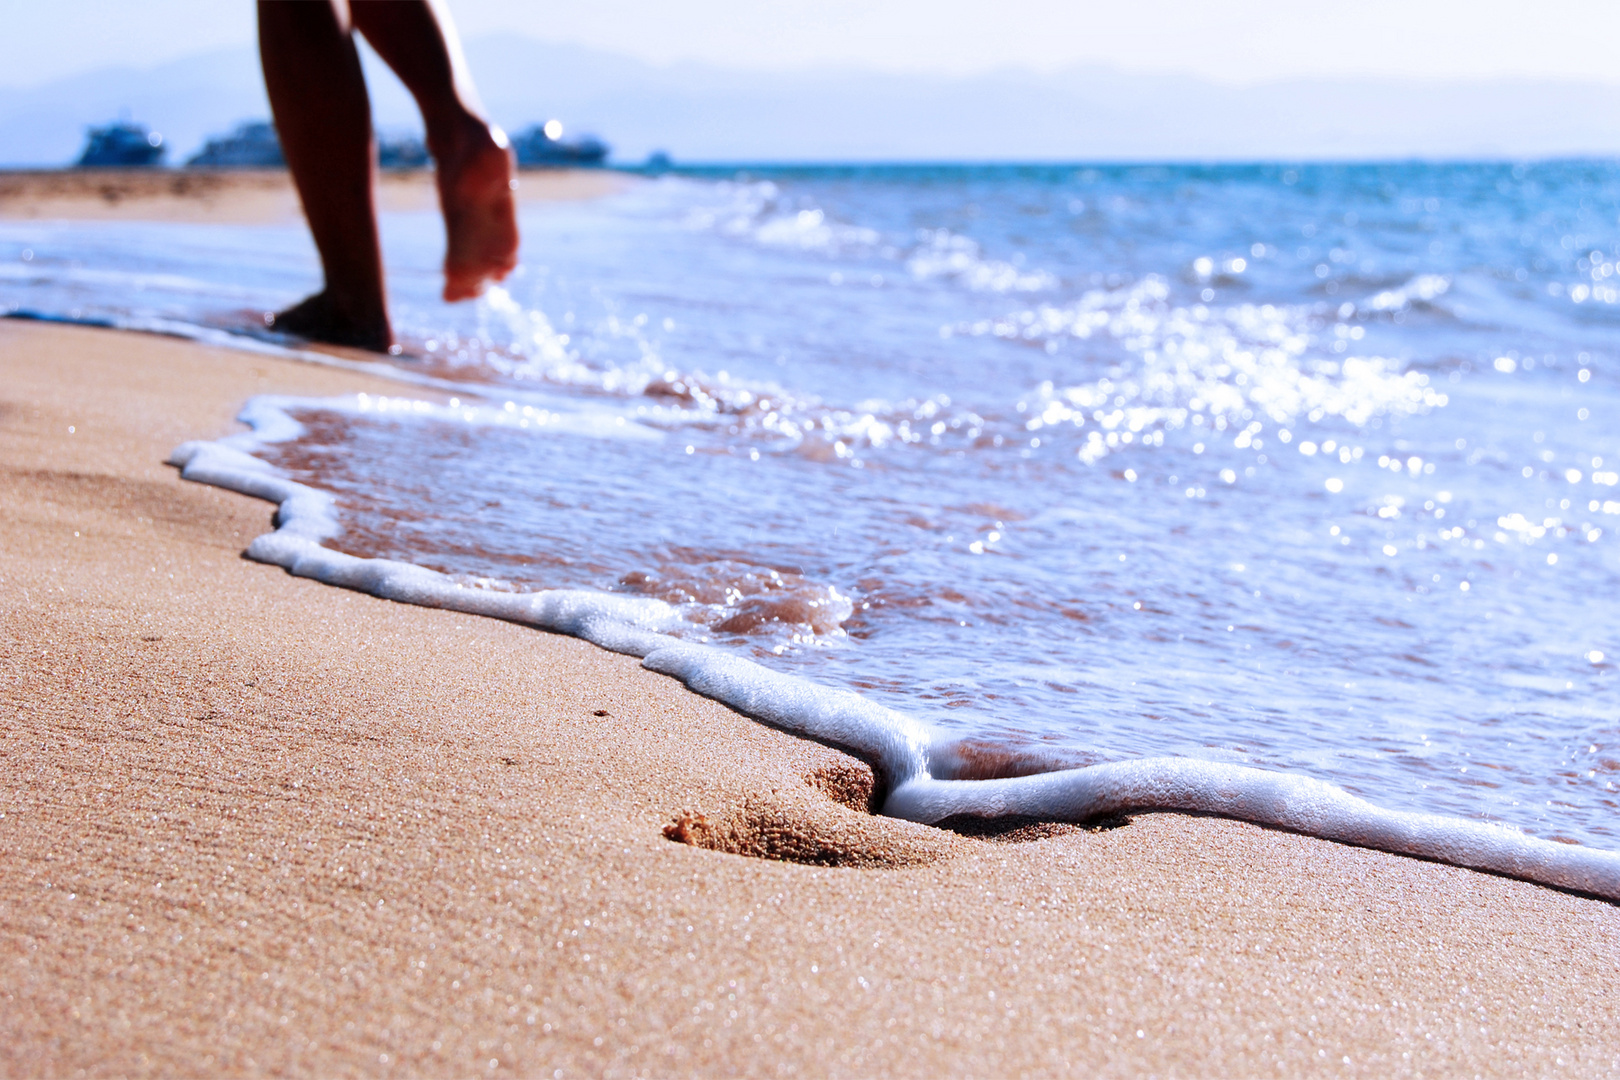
[
  {"x": 321, "y": 318},
  {"x": 476, "y": 178}
]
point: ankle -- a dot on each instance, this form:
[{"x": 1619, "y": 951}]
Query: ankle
[
  {"x": 362, "y": 313},
  {"x": 322, "y": 318},
  {"x": 458, "y": 137}
]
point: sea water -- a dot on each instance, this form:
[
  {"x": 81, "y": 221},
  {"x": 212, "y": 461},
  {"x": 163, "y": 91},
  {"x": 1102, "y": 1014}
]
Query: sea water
[{"x": 1308, "y": 467}]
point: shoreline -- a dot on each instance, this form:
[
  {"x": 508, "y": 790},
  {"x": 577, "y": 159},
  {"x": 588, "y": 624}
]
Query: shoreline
[
  {"x": 920, "y": 775},
  {"x": 245, "y": 196},
  {"x": 239, "y": 797}
]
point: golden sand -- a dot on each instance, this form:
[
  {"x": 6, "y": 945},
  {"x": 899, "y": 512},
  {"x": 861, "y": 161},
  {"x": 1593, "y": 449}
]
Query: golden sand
[
  {"x": 250, "y": 824},
  {"x": 241, "y": 196}
]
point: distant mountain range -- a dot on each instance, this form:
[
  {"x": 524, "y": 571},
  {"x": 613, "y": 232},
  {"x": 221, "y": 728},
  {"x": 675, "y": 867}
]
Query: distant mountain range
[{"x": 704, "y": 113}]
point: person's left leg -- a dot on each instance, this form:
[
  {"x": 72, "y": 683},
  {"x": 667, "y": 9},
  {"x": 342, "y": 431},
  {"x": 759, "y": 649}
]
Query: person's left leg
[
  {"x": 323, "y": 117},
  {"x": 476, "y": 175}
]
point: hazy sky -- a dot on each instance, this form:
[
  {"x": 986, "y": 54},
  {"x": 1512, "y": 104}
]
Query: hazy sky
[{"x": 1228, "y": 40}]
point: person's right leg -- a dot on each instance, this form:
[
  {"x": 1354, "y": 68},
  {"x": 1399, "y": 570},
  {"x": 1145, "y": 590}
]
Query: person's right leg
[
  {"x": 323, "y": 117},
  {"x": 475, "y": 171}
]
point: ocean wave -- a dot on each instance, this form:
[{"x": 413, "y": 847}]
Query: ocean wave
[
  {"x": 941, "y": 253},
  {"x": 1422, "y": 290},
  {"x": 761, "y": 212},
  {"x": 716, "y": 594},
  {"x": 1218, "y": 368},
  {"x": 1239, "y": 367},
  {"x": 923, "y": 776},
  {"x": 523, "y": 344}
]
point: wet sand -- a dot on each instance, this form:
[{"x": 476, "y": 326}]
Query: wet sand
[
  {"x": 241, "y": 196},
  {"x": 254, "y": 824}
]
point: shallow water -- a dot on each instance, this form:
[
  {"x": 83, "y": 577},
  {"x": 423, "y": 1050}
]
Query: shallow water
[{"x": 1313, "y": 468}]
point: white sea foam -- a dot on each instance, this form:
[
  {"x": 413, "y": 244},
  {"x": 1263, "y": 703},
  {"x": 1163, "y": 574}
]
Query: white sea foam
[
  {"x": 1198, "y": 362},
  {"x": 941, "y": 253},
  {"x": 1422, "y": 289},
  {"x": 531, "y": 347},
  {"x": 759, "y": 211},
  {"x": 532, "y": 406},
  {"x": 1284, "y": 800},
  {"x": 578, "y": 420},
  {"x": 924, "y": 775},
  {"x": 120, "y": 279}
]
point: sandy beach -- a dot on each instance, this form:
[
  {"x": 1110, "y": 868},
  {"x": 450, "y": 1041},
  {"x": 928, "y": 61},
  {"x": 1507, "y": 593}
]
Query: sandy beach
[
  {"x": 240, "y": 196},
  {"x": 253, "y": 824}
]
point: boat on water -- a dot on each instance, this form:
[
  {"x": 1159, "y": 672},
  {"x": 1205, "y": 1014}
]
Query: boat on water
[
  {"x": 121, "y": 144},
  {"x": 252, "y": 144},
  {"x": 543, "y": 146}
]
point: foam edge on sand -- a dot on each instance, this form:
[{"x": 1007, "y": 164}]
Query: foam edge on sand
[{"x": 926, "y": 778}]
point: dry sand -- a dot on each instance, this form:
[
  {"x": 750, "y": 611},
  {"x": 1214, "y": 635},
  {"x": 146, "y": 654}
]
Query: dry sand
[
  {"x": 241, "y": 196},
  {"x": 250, "y": 823}
]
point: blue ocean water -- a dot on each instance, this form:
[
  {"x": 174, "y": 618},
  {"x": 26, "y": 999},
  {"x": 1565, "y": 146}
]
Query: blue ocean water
[{"x": 1313, "y": 467}]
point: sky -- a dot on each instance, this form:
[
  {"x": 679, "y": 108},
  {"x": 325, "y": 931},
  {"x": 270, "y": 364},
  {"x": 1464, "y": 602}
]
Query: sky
[{"x": 1230, "y": 41}]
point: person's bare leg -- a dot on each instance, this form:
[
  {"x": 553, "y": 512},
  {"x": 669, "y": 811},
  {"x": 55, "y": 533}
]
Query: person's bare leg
[
  {"x": 475, "y": 170},
  {"x": 323, "y": 116}
]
